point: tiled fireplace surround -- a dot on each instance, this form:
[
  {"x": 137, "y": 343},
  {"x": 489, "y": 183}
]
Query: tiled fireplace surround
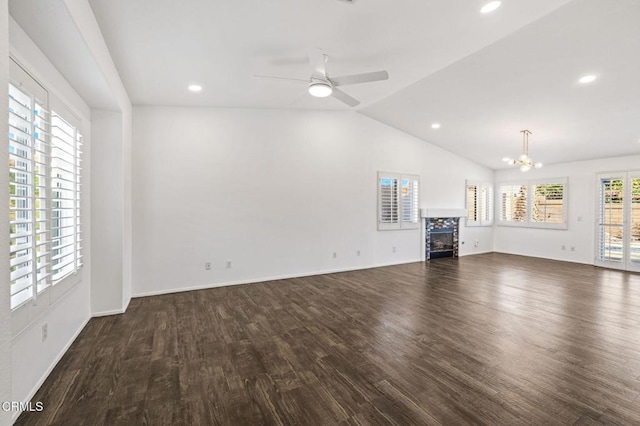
[{"x": 441, "y": 237}]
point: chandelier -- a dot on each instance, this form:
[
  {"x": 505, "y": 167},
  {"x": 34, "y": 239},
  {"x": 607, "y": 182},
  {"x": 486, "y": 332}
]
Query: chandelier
[{"x": 525, "y": 162}]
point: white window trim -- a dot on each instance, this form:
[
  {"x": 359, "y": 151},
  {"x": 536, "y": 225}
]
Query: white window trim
[
  {"x": 488, "y": 207},
  {"x": 529, "y": 183},
  {"x": 400, "y": 224}
]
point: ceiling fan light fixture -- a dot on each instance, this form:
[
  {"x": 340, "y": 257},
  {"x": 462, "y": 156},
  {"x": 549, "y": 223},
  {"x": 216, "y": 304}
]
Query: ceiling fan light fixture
[
  {"x": 490, "y": 7},
  {"x": 320, "y": 89},
  {"x": 588, "y": 79}
]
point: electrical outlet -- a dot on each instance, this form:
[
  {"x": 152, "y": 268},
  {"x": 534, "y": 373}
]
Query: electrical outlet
[
  {"x": 564, "y": 247},
  {"x": 393, "y": 249},
  {"x": 573, "y": 248},
  {"x": 476, "y": 243},
  {"x": 228, "y": 264},
  {"x": 45, "y": 331},
  {"x": 207, "y": 266},
  {"x": 357, "y": 252},
  {"x": 335, "y": 255}
]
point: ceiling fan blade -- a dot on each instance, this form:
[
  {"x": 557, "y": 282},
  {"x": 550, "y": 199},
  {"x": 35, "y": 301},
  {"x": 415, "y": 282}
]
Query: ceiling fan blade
[
  {"x": 343, "y": 97},
  {"x": 360, "y": 78},
  {"x": 317, "y": 60},
  {"x": 280, "y": 78}
]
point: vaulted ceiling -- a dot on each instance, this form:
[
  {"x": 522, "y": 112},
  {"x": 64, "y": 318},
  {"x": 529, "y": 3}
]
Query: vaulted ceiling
[{"x": 483, "y": 77}]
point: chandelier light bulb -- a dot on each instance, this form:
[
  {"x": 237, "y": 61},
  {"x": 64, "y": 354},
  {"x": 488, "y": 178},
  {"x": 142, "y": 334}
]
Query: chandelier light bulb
[
  {"x": 525, "y": 168},
  {"x": 537, "y": 165}
]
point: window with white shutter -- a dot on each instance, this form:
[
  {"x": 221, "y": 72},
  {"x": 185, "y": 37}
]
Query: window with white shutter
[
  {"x": 388, "y": 205},
  {"x": 28, "y": 215},
  {"x": 65, "y": 196},
  {"x": 398, "y": 201},
  {"x": 513, "y": 203},
  {"x": 479, "y": 204},
  {"x": 44, "y": 191},
  {"x": 547, "y": 203},
  {"x": 534, "y": 203}
]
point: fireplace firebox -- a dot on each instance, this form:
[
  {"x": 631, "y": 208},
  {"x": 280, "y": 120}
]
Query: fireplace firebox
[{"x": 441, "y": 237}]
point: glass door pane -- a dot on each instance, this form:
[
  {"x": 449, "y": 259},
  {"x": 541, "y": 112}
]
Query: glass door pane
[
  {"x": 634, "y": 214},
  {"x": 611, "y": 221}
]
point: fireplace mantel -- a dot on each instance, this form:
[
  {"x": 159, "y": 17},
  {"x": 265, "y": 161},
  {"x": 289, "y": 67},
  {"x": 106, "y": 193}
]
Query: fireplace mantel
[{"x": 425, "y": 212}]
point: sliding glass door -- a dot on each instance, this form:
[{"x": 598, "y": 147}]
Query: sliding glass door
[{"x": 618, "y": 228}]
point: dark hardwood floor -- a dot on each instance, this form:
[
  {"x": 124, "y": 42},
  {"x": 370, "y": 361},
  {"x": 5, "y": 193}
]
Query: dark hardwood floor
[{"x": 489, "y": 339}]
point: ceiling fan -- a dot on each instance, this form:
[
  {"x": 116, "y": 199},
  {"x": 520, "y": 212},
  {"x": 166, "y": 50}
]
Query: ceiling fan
[{"x": 321, "y": 86}]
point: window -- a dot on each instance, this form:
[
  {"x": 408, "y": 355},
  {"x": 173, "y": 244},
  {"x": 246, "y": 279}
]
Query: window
[
  {"x": 547, "y": 203},
  {"x": 539, "y": 204},
  {"x": 479, "y": 204},
  {"x": 398, "y": 201},
  {"x": 513, "y": 203},
  {"x": 44, "y": 191}
]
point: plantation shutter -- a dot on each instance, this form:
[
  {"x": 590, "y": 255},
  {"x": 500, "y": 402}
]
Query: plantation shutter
[
  {"x": 398, "y": 201},
  {"x": 472, "y": 204},
  {"x": 634, "y": 251},
  {"x": 479, "y": 204},
  {"x": 611, "y": 220},
  {"x": 547, "y": 203},
  {"x": 513, "y": 203},
  {"x": 486, "y": 205},
  {"x": 388, "y": 201},
  {"x": 28, "y": 153},
  {"x": 409, "y": 195},
  {"x": 65, "y": 192}
]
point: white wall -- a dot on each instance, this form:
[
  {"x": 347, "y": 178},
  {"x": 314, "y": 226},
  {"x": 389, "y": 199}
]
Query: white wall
[
  {"x": 275, "y": 192},
  {"x": 581, "y": 230},
  {"x": 108, "y": 208},
  {"x": 101, "y": 85},
  {"x": 5, "y": 303},
  {"x": 33, "y": 359}
]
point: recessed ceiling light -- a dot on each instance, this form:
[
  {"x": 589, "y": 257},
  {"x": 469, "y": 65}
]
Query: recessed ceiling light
[
  {"x": 587, "y": 78},
  {"x": 435, "y": 126},
  {"x": 490, "y": 7},
  {"x": 194, "y": 88}
]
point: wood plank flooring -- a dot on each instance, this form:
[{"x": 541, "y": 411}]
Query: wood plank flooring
[{"x": 490, "y": 339}]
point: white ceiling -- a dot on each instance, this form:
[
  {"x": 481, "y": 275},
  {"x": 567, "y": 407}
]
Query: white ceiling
[
  {"x": 529, "y": 80},
  {"x": 49, "y": 24},
  {"x": 160, "y": 46},
  {"x": 483, "y": 77}
]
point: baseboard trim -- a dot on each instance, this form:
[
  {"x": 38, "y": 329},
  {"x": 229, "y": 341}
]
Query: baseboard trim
[
  {"x": 265, "y": 279},
  {"x": 545, "y": 257},
  {"x": 55, "y": 362},
  {"x": 475, "y": 252},
  {"x": 107, "y": 313}
]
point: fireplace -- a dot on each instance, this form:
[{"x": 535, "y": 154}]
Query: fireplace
[
  {"x": 441, "y": 237},
  {"x": 441, "y": 243}
]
